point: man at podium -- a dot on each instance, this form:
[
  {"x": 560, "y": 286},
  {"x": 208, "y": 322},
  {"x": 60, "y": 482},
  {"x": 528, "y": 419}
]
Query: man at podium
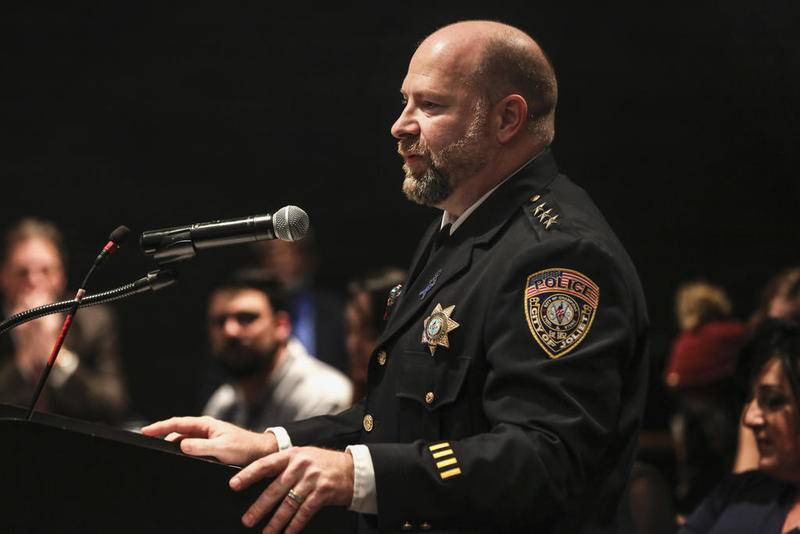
[{"x": 506, "y": 391}]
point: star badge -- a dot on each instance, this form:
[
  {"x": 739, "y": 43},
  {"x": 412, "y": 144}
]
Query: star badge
[{"x": 437, "y": 326}]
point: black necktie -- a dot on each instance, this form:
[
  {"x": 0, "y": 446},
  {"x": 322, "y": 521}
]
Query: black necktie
[{"x": 441, "y": 238}]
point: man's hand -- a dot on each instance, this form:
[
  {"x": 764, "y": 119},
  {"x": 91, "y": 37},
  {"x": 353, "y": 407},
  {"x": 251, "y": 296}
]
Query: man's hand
[
  {"x": 206, "y": 436},
  {"x": 316, "y": 477}
]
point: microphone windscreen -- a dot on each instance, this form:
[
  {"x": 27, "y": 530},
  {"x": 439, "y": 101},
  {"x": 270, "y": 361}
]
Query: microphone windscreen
[
  {"x": 291, "y": 223},
  {"x": 120, "y": 235}
]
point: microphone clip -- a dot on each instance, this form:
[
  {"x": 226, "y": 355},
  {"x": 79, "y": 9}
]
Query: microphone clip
[{"x": 174, "y": 245}]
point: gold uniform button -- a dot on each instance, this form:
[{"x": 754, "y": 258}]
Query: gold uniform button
[
  {"x": 382, "y": 357},
  {"x": 407, "y": 526},
  {"x": 429, "y": 396},
  {"x": 368, "y": 423},
  {"x": 425, "y": 526}
]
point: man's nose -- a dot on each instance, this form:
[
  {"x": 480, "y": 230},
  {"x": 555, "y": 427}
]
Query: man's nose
[
  {"x": 32, "y": 278},
  {"x": 406, "y": 124},
  {"x": 231, "y": 327}
]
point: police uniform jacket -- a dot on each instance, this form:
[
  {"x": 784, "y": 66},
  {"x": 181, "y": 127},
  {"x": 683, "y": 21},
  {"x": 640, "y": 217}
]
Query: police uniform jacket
[{"x": 507, "y": 388}]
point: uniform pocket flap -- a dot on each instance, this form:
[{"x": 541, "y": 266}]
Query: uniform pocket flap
[{"x": 431, "y": 382}]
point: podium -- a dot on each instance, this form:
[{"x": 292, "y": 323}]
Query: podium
[{"x": 63, "y": 475}]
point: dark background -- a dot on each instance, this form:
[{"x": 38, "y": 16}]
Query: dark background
[{"x": 680, "y": 121}]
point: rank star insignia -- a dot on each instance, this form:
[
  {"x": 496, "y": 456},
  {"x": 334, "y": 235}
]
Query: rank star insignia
[
  {"x": 551, "y": 221},
  {"x": 437, "y": 326},
  {"x": 544, "y": 215}
]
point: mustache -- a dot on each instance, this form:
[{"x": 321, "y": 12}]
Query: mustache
[
  {"x": 232, "y": 344},
  {"x": 411, "y": 146}
]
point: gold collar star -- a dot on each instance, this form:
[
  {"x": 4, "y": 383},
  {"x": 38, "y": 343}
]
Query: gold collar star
[{"x": 437, "y": 326}]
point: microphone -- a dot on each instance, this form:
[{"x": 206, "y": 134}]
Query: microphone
[
  {"x": 179, "y": 243},
  {"x": 117, "y": 238}
]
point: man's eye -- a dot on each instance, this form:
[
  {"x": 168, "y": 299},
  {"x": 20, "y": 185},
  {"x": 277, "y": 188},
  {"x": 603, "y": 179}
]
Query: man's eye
[
  {"x": 246, "y": 318},
  {"x": 427, "y": 104}
]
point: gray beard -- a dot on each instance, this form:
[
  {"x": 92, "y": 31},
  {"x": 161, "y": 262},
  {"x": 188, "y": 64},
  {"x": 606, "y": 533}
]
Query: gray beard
[{"x": 430, "y": 189}]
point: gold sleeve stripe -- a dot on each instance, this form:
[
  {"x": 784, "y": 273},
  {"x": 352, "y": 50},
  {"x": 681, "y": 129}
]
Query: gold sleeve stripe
[
  {"x": 438, "y": 446},
  {"x": 445, "y": 463},
  {"x": 450, "y": 473},
  {"x": 439, "y": 454}
]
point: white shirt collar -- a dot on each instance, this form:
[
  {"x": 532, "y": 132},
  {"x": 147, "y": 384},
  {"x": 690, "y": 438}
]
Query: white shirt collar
[{"x": 448, "y": 219}]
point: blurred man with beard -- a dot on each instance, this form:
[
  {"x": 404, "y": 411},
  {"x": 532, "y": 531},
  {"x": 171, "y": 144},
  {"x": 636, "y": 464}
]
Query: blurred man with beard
[
  {"x": 273, "y": 380},
  {"x": 506, "y": 390}
]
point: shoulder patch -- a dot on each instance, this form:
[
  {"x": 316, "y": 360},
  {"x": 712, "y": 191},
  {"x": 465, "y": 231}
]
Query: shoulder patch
[{"x": 560, "y": 305}]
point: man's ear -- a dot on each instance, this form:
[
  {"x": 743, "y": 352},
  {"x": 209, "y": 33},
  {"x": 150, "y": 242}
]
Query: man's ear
[
  {"x": 512, "y": 116},
  {"x": 283, "y": 325}
]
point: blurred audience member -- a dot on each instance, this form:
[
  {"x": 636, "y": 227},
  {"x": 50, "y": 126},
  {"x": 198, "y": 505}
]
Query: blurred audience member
[
  {"x": 86, "y": 380},
  {"x": 700, "y": 372},
  {"x": 779, "y": 300},
  {"x": 272, "y": 380},
  {"x": 766, "y": 500},
  {"x": 366, "y": 310},
  {"x": 317, "y": 315}
]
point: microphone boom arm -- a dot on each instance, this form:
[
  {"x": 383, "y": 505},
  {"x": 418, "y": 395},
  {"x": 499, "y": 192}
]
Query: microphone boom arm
[{"x": 154, "y": 281}]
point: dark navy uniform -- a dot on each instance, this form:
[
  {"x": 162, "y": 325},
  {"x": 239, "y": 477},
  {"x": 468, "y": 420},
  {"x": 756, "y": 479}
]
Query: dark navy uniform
[{"x": 507, "y": 389}]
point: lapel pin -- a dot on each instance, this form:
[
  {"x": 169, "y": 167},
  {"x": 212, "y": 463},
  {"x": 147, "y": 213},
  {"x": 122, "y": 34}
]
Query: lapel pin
[
  {"x": 429, "y": 285},
  {"x": 394, "y": 294}
]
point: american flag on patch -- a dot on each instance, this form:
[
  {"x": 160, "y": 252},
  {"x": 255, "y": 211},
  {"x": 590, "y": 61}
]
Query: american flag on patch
[{"x": 564, "y": 281}]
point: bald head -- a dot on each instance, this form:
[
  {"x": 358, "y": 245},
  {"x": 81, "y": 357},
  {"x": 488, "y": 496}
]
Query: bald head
[
  {"x": 478, "y": 102},
  {"x": 499, "y": 60}
]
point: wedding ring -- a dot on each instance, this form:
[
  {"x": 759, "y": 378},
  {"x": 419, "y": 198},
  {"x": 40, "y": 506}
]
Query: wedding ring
[{"x": 297, "y": 499}]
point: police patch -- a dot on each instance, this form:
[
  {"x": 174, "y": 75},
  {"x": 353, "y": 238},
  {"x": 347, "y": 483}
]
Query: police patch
[{"x": 560, "y": 305}]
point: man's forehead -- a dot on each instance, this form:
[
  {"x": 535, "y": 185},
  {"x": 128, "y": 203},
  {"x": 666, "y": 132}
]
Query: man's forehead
[
  {"x": 433, "y": 78},
  {"x": 34, "y": 247},
  {"x": 228, "y": 299},
  {"x": 443, "y": 59}
]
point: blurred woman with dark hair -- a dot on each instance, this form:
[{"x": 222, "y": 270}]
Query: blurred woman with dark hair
[
  {"x": 780, "y": 300},
  {"x": 766, "y": 500}
]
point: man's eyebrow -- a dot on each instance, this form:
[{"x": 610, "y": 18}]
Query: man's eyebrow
[{"x": 426, "y": 93}]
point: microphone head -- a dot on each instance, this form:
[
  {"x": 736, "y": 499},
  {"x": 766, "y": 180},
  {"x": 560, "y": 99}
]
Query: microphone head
[
  {"x": 291, "y": 223},
  {"x": 120, "y": 235}
]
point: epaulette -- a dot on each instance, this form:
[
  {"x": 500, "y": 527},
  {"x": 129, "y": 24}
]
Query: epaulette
[{"x": 538, "y": 210}]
